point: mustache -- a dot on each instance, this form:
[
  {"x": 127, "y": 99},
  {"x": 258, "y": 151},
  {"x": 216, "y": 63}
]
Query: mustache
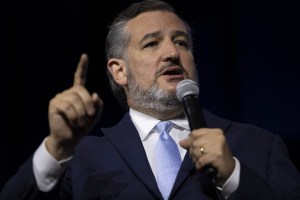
[{"x": 160, "y": 71}]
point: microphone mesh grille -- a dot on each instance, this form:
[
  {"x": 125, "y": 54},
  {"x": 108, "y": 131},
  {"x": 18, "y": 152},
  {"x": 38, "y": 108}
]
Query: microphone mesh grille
[{"x": 186, "y": 87}]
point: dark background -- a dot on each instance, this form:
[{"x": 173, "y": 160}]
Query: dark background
[{"x": 247, "y": 53}]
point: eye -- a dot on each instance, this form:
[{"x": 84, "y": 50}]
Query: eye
[
  {"x": 151, "y": 44},
  {"x": 182, "y": 43}
]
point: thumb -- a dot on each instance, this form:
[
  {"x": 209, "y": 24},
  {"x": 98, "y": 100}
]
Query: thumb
[{"x": 184, "y": 143}]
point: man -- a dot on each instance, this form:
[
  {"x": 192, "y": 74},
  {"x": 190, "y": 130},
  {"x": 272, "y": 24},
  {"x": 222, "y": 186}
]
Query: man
[{"x": 149, "y": 51}]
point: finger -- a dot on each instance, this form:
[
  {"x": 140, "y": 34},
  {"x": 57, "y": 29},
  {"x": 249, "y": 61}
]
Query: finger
[
  {"x": 74, "y": 100},
  {"x": 81, "y": 71},
  {"x": 98, "y": 103},
  {"x": 82, "y": 99},
  {"x": 65, "y": 109},
  {"x": 184, "y": 143}
]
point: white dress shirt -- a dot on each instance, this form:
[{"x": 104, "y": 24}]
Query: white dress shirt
[
  {"x": 47, "y": 170},
  {"x": 145, "y": 125},
  {"x": 149, "y": 136}
]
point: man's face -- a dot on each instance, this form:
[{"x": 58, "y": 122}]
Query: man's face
[{"x": 159, "y": 56}]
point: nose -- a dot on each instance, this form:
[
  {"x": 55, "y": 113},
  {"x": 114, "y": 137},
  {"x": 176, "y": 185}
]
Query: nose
[{"x": 170, "y": 51}]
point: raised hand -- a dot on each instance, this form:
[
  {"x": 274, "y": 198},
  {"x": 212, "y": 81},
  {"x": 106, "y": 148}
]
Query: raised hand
[{"x": 72, "y": 113}]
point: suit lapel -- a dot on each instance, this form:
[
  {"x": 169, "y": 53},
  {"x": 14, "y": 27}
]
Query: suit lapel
[
  {"x": 126, "y": 140},
  {"x": 185, "y": 170}
]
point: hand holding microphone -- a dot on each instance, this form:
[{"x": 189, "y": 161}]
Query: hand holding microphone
[{"x": 207, "y": 146}]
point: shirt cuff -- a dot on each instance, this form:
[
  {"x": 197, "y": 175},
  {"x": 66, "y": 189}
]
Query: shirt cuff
[
  {"x": 46, "y": 168},
  {"x": 232, "y": 182}
]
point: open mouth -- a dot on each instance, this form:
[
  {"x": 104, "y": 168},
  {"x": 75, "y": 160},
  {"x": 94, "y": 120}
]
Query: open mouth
[{"x": 173, "y": 71}]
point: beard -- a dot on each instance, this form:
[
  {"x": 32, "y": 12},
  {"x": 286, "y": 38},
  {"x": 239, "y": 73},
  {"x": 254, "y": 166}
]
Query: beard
[{"x": 152, "y": 98}]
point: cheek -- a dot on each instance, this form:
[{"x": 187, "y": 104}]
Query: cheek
[
  {"x": 143, "y": 68},
  {"x": 194, "y": 75},
  {"x": 191, "y": 67},
  {"x": 145, "y": 76}
]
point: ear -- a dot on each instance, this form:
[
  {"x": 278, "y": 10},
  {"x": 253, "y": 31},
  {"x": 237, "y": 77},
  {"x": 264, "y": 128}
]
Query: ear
[{"x": 117, "y": 68}]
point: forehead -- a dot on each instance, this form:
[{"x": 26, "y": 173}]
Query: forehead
[{"x": 154, "y": 21}]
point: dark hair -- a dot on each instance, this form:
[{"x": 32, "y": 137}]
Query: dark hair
[{"x": 117, "y": 39}]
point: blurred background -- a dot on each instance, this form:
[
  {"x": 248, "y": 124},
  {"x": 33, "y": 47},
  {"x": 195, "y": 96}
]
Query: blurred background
[{"x": 247, "y": 53}]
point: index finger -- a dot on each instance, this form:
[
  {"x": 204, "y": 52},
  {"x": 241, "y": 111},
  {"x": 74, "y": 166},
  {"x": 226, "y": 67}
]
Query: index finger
[{"x": 81, "y": 71}]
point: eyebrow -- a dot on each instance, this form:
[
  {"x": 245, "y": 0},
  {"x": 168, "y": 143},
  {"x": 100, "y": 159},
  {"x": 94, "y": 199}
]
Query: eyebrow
[
  {"x": 157, "y": 33},
  {"x": 150, "y": 35},
  {"x": 181, "y": 33}
]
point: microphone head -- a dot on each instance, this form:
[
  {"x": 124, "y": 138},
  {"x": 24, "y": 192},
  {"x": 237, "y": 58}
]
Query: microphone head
[{"x": 187, "y": 87}]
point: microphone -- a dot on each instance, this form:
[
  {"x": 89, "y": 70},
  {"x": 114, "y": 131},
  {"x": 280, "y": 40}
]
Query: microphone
[{"x": 187, "y": 91}]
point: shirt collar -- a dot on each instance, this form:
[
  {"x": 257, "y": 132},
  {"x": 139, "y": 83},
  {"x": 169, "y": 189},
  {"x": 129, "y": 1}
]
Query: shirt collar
[{"x": 145, "y": 124}]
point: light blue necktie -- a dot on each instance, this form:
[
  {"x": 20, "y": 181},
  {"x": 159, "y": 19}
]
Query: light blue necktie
[{"x": 168, "y": 159}]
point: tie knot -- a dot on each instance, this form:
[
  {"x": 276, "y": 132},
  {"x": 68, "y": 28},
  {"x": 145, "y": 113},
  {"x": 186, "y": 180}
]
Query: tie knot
[{"x": 164, "y": 126}]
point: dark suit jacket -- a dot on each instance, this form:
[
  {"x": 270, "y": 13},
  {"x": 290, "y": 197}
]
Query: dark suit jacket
[{"x": 114, "y": 166}]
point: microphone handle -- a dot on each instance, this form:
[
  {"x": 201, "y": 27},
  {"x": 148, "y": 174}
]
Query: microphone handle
[{"x": 196, "y": 120}]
